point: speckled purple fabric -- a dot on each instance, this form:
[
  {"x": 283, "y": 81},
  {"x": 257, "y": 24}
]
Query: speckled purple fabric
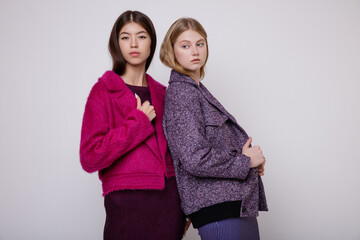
[{"x": 205, "y": 142}]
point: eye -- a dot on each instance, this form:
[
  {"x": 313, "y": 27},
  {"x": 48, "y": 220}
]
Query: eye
[
  {"x": 185, "y": 46},
  {"x": 200, "y": 44},
  {"x": 143, "y": 37},
  {"x": 124, "y": 38}
]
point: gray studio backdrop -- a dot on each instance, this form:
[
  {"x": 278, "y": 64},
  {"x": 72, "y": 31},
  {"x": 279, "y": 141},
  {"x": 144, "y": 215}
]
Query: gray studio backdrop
[{"x": 289, "y": 71}]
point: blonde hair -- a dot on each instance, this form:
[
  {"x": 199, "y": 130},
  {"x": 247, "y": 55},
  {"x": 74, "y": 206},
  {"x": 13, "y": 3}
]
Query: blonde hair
[{"x": 167, "y": 55}]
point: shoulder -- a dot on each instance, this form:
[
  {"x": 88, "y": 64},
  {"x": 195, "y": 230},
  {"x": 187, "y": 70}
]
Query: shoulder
[
  {"x": 112, "y": 81},
  {"x": 182, "y": 84},
  {"x": 182, "y": 96},
  {"x": 182, "y": 90}
]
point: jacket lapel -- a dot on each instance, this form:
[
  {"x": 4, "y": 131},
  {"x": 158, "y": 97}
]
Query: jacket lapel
[
  {"x": 126, "y": 102},
  {"x": 157, "y": 93},
  {"x": 178, "y": 77},
  {"x": 125, "y": 99},
  {"x": 151, "y": 142},
  {"x": 213, "y": 101}
]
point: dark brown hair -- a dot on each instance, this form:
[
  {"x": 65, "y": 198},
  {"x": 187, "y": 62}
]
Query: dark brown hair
[{"x": 119, "y": 62}]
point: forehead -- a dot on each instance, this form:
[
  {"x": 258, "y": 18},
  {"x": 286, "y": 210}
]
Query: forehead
[
  {"x": 189, "y": 35},
  {"x": 132, "y": 27}
]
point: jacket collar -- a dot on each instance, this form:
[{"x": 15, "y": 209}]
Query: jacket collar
[
  {"x": 179, "y": 77},
  {"x": 115, "y": 83},
  {"x": 126, "y": 98}
]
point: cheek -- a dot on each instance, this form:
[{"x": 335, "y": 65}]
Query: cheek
[
  {"x": 121, "y": 46},
  {"x": 179, "y": 55},
  {"x": 204, "y": 52},
  {"x": 147, "y": 47}
]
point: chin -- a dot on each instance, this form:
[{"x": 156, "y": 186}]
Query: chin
[
  {"x": 194, "y": 69},
  {"x": 136, "y": 63}
]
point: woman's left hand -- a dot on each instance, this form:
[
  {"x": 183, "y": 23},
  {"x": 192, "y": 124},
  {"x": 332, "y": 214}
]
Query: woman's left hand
[{"x": 261, "y": 169}]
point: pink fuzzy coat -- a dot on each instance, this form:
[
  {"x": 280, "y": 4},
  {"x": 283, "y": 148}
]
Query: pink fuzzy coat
[{"x": 119, "y": 141}]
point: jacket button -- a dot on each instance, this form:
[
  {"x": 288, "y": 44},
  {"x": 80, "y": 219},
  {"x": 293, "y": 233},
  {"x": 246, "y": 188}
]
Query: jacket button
[{"x": 243, "y": 209}]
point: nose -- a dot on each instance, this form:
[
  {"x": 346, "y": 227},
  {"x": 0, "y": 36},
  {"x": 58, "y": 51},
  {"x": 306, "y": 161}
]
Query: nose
[
  {"x": 133, "y": 43},
  {"x": 195, "y": 51}
]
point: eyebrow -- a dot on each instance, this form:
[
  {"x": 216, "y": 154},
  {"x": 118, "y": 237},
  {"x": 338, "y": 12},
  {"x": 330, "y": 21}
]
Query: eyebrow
[
  {"x": 187, "y": 41},
  {"x": 141, "y": 32}
]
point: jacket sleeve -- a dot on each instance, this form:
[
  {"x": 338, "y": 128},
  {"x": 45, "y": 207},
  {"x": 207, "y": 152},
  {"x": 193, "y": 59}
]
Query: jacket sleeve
[
  {"x": 100, "y": 146},
  {"x": 185, "y": 127}
]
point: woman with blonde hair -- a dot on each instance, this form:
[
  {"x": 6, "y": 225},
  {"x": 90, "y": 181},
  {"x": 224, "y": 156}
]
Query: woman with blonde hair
[{"x": 217, "y": 170}]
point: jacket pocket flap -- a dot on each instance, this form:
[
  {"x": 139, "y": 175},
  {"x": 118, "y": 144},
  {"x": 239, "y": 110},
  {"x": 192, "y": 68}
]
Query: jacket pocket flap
[{"x": 217, "y": 119}]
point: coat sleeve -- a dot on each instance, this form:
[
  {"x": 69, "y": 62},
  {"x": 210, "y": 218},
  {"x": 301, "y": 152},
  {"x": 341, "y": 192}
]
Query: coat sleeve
[
  {"x": 100, "y": 145},
  {"x": 184, "y": 127}
]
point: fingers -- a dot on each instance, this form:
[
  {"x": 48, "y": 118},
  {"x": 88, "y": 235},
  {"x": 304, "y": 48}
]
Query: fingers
[
  {"x": 262, "y": 159},
  {"x": 145, "y": 105},
  {"x": 151, "y": 115},
  {"x": 248, "y": 143},
  {"x": 261, "y": 167},
  {"x": 146, "y": 108},
  {"x": 261, "y": 170},
  {"x": 256, "y": 156},
  {"x": 138, "y": 104}
]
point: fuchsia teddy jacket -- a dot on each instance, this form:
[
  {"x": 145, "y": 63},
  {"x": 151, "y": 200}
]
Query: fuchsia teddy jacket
[{"x": 119, "y": 141}]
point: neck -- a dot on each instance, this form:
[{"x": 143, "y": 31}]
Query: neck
[
  {"x": 135, "y": 75},
  {"x": 197, "y": 78}
]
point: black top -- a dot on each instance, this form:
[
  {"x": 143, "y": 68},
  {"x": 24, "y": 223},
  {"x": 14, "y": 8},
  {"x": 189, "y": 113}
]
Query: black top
[
  {"x": 215, "y": 213},
  {"x": 142, "y": 92}
]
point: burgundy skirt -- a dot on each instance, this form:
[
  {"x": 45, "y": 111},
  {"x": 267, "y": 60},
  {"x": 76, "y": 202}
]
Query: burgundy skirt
[{"x": 144, "y": 214}]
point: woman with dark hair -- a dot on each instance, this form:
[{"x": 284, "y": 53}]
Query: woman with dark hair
[{"x": 122, "y": 138}]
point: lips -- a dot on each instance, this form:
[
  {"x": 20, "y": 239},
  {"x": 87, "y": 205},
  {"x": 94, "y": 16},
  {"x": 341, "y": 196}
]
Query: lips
[
  {"x": 134, "y": 54},
  {"x": 196, "y": 60}
]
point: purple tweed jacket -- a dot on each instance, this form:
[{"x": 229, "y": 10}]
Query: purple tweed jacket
[{"x": 205, "y": 142}]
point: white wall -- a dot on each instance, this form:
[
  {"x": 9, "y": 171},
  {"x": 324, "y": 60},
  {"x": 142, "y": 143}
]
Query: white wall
[{"x": 288, "y": 71}]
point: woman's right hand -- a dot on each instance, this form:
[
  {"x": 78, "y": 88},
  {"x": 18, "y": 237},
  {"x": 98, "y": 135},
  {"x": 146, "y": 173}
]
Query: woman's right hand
[
  {"x": 254, "y": 153},
  {"x": 146, "y": 108}
]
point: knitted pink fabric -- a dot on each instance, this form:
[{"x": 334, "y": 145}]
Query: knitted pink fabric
[{"x": 119, "y": 141}]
